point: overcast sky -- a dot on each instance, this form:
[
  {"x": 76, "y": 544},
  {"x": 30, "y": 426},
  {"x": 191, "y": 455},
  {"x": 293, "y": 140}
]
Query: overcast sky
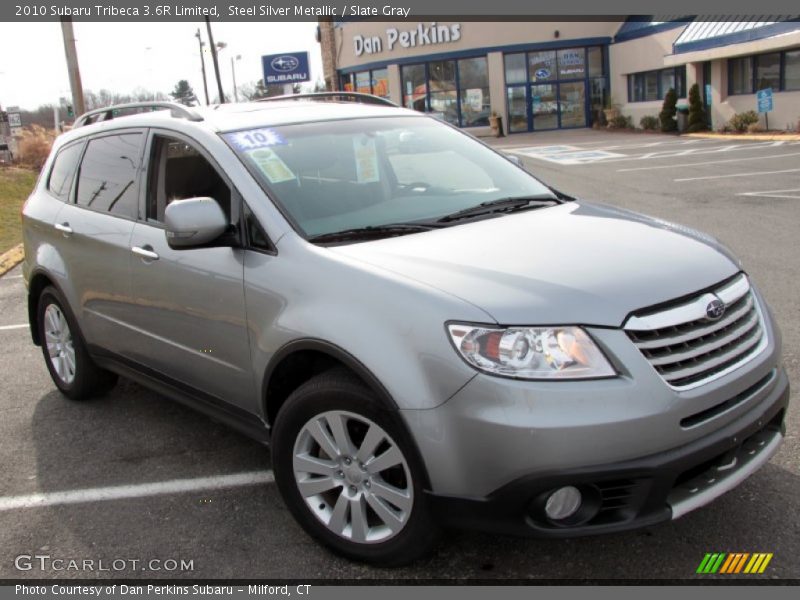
[{"x": 115, "y": 56}]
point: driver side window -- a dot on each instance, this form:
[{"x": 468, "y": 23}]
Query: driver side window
[{"x": 179, "y": 171}]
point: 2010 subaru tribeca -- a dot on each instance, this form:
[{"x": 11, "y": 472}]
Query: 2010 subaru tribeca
[{"x": 423, "y": 332}]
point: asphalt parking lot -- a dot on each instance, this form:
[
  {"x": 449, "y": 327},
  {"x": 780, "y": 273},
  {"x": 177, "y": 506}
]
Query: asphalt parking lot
[{"x": 745, "y": 193}]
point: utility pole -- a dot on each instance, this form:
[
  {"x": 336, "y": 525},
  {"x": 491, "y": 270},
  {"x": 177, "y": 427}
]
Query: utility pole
[
  {"x": 72, "y": 66},
  {"x": 202, "y": 64},
  {"x": 216, "y": 62}
]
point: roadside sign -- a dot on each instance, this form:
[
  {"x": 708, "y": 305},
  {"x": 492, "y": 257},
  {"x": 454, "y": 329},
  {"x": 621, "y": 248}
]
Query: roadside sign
[
  {"x": 764, "y": 100},
  {"x": 290, "y": 67},
  {"x": 14, "y": 120}
]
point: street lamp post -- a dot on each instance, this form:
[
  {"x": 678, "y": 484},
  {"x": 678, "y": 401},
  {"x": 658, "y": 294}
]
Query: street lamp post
[{"x": 233, "y": 74}]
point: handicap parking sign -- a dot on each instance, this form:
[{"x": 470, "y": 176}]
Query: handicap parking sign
[{"x": 764, "y": 100}]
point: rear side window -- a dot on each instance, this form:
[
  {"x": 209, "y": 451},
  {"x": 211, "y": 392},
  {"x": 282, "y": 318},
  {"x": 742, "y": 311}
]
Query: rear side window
[
  {"x": 63, "y": 171},
  {"x": 108, "y": 179}
]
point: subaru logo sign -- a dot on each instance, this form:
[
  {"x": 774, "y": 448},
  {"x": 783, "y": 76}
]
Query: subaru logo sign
[
  {"x": 285, "y": 64},
  {"x": 715, "y": 309},
  {"x": 285, "y": 68}
]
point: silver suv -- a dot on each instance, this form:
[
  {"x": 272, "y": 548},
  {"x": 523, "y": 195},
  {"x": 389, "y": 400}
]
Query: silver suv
[{"x": 424, "y": 333}]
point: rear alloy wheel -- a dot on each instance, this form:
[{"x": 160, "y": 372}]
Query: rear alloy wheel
[
  {"x": 349, "y": 472},
  {"x": 58, "y": 341},
  {"x": 65, "y": 354}
]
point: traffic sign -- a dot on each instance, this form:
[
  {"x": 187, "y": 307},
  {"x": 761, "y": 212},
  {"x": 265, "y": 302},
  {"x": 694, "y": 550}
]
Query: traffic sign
[
  {"x": 764, "y": 100},
  {"x": 290, "y": 67},
  {"x": 14, "y": 120}
]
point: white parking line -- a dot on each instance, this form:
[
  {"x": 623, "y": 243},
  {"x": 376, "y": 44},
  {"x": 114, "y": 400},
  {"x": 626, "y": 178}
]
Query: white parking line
[
  {"x": 774, "y": 194},
  {"x": 7, "y": 327},
  {"x": 4, "y": 277},
  {"x": 708, "y": 162},
  {"x": 737, "y": 175},
  {"x": 175, "y": 486}
]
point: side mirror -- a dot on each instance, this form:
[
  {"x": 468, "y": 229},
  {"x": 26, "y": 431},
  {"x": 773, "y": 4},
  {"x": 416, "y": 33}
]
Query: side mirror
[{"x": 194, "y": 222}]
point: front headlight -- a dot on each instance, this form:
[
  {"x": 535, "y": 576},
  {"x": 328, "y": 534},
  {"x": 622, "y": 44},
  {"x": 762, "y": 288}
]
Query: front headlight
[{"x": 531, "y": 352}]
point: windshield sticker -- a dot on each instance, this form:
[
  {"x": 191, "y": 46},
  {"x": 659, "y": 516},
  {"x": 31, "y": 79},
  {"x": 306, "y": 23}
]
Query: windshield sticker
[
  {"x": 366, "y": 159},
  {"x": 271, "y": 165},
  {"x": 255, "y": 138}
]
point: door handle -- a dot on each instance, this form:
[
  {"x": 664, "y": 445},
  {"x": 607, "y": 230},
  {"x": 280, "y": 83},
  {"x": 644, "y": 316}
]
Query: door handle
[
  {"x": 63, "y": 228},
  {"x": 145, "y": 252}
]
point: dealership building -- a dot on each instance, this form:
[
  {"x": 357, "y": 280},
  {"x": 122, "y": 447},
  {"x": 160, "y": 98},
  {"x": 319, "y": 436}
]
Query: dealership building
[{"x": 542, "y": 75}]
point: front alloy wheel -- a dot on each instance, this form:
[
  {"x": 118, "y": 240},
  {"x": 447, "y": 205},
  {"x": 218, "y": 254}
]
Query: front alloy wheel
[
  {"x": 353, "y": 477},
  {"x": 349, "y": 472}
]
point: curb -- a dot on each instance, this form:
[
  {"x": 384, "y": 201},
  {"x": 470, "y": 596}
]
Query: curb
[
  {"x": 11, "y": 258},
  {"x": 790, "y": 137}
]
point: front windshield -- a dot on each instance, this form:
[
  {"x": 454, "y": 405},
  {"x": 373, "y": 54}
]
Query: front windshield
[{"x": 340, "y": 175}]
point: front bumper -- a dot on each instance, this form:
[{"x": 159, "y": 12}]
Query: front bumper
[{"x": 634, "y": 493}]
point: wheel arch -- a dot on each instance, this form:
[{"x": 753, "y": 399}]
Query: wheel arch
[
  {"x": 39, "y": 280},
  {"x": 299, "y": 360}
]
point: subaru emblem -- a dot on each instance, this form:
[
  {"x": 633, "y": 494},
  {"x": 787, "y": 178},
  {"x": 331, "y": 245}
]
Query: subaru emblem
[
  {"x": 284, "y": 64},
  {"x": 715, "y": 309}
]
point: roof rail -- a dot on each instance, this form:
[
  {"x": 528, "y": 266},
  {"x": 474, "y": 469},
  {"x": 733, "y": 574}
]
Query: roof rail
[
  {"x": 110, "y": 112},
  {"x": 333, "y": 96}
]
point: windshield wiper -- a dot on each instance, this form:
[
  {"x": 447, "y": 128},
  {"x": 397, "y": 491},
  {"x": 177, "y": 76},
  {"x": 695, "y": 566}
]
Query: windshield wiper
[
  {"x": 504, "y": 205},
  {"x": 370, "y": 231}
]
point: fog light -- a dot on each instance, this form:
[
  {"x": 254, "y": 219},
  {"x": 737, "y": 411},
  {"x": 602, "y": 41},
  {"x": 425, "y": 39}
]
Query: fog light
[{"x": 563, "y": 503}]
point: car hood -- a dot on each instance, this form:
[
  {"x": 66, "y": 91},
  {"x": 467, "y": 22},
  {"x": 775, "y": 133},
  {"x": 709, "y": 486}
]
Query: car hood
[{"x": 576, "y": 263}]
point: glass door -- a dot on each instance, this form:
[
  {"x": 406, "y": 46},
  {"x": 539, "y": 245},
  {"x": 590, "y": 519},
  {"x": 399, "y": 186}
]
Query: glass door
[
  {"x": 517, "y": 108},
  {"x": 544, "y": 107},
  {"x": 572, "y": 104}
]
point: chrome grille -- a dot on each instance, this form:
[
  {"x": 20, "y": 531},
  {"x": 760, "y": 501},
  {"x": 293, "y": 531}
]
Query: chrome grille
[{"x": 687, "y": 348}]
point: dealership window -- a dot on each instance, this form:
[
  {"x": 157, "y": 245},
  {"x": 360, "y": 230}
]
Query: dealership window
[
  {"x": 443, "y": 97},
  {"x": 415, "y": 91},
  {"x": 473, "y": 91},
  {"x": 515, "y": 68},
  {"x": 778, "y": 71},
  {"x": 457, "y": 90},
  {"x": 768, "y": 71},
  {"x": 542, "y": 66},
  {"x": 595, "y": 61},
  {"x": 650, "y": 86},
  {"x": 571, "y": 63},
  {"x": 791, "y": 73},
  {"x": 740, "y": 75},
  {"x": 374, "y": 82}
]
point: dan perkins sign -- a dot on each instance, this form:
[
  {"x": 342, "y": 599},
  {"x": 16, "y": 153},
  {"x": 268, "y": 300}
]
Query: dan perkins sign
[
  {"x": 291, "y": 67},
  {"x": 421, "y": 35}
]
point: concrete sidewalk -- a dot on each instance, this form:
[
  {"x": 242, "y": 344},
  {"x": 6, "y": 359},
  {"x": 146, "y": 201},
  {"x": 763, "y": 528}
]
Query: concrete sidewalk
[{"x": 587, "y": 136}]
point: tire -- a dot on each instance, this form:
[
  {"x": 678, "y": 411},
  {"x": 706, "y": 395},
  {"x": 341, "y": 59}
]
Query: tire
[
  {"x": 64, "y": 350},
  {"x": 365, "y": 502}
]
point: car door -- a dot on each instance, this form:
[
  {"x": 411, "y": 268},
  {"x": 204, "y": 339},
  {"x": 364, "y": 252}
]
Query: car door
[
  {"x": 96, "y": 226},
  {"x": 189, "y": 314}
]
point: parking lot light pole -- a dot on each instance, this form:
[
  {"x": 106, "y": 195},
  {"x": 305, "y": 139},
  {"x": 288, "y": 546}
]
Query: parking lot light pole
[{"x": 233, "y": 74}]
